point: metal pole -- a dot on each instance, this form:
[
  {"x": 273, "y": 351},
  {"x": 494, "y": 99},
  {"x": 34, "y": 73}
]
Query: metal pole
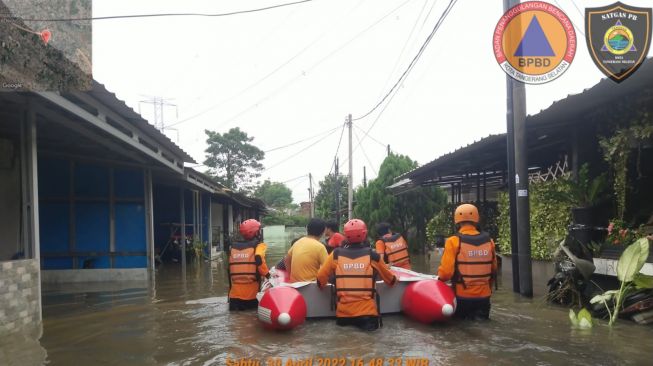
[
  {"x": 310, "y": 194},
  {"x": 350, "y": 190},
  {"x": 337, "y": 192},
  {"x": 523, "y": 207},
  {"x": 182, "y": 229},
  {"x": 518, "y": 181},
  {"x": 364, "y": 177}
]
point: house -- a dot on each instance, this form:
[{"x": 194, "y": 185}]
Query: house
[
  {"x": 90, "y": 191},
  {"x": 560, "y": 139}
]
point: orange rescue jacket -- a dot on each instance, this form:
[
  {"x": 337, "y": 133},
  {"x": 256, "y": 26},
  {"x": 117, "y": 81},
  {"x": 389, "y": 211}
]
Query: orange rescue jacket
[
  {"x": 474, "y": 260},
  {"x": 394, "y": 250},
  {"x": 355, "y": 276},
  {"x": 469, "y": 280},
  {"x": 243, "y": 263}
]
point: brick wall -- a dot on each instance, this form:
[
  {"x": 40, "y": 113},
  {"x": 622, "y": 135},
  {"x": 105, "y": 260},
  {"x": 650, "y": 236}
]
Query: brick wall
[{"x": 20, "y": 308}]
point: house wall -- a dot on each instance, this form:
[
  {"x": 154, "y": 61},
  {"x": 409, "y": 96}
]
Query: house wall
[
  {"x": 92, "y": 216},
  {"x": 20, "y": 308}
]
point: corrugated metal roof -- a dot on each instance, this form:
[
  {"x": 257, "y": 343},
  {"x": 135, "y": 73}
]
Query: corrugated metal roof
[
  {"x": 485, "y": 141},
  {"x": 561, "y": 111},
  {"x": 110, "y": 99}
]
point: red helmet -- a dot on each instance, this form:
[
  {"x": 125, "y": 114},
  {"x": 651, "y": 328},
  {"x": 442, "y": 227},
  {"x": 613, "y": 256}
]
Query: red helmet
[
  {"x": 355, "y": 231},
  {"x": 249, "y": 228}
]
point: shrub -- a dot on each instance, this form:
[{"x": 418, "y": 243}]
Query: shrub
[{"x": 550, "y": 218}]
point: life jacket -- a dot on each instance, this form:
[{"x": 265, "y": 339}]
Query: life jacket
[
  {"x": 396, "y": 249},
  {"x": 355, "y": 277},
  {"x": 243, "y": 263},
  {"x": 474, "y": 260}
]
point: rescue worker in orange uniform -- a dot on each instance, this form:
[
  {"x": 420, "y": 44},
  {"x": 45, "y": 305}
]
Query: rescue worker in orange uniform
[
  {"x": 356, "y": 268},
  {"x": 469, "y": 261},
  {"x": 333, "y": 238},
  {"x": 246, "y": 267},
  {"x": 392, "y": 247}
]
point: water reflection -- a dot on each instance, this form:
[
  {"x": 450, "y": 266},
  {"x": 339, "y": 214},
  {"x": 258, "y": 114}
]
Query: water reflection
[{"x": 183, "y": 320}]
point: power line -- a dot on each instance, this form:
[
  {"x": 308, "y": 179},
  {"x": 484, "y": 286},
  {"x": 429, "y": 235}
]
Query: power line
[
  {"x": 365, "y": 154},
  {"x": 342, "y": 132},
  {"x": 211, "y": 15},
  {"x": 372, "y": 137},
  {"x": 414, "y": 60},
  {"x": 202, "y": 94},
  {"x": 572, "y": 22},
  {"x": 302, "y": 140},
  {"x": 296, "y": 154},
  {"x": 410, "y": 35},
  {"x": 290, "y": 180},
  {"x": 312, "y": 67}
]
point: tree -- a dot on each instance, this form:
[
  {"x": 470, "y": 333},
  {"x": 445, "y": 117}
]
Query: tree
[
  {"x": 232, "y": 159},
  {"x": 376, "y": 204},
  {"x": 274, "y": 194},
  {"x": 325, "y": 199}
]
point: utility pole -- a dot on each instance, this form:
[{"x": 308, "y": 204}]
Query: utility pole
[
  {"x": 350, "y": 191},
  {"x": 364, "y": 177},
  {"x": 518, "y": 158},
  {"x": 310, "y": 194},
  {"x": 337, "y": 193},
  {"x": 388, "y": 149}
]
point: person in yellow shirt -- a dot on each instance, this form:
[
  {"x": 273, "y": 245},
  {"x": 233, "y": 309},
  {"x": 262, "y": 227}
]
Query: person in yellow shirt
[
  {"x": 246, "y": 267},
  {"x": 307, "y": 254},
  {"x": 356, "y": 268},
  {"x": 470, "y": 262}
]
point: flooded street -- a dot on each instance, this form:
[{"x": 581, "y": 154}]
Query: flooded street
[{"x": 184, "y": 321}]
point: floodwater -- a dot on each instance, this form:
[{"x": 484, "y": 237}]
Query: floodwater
[{"x": 183, "y": 320}]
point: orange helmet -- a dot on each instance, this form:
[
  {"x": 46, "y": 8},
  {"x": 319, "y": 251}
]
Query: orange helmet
[
  {"x": 466, "y": 212},
  {"x": 355, "y": 231},
  {"x": 249, "y": 228}
]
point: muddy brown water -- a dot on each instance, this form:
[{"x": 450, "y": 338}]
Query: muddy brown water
[{"x": 183, "y": 320}]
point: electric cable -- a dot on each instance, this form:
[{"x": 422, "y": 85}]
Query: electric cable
[
  {"x": 295, "y": 154},
  {"x": 572, "y": 22},
  {"x": 342, "y": 132},
  {"x": 365, "y": 154},
  {"x": 444, "y": 15},
  {"x": 302, "y": 140},
  {"x": 312, "y": 67},
  {"x": 372, "y": 137},
  {"x": 211, "y": 15},
  {"x": 410, "y": 35}
]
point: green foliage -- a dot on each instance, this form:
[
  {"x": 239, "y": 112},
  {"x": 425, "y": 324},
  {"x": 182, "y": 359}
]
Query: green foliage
[
  {"x": 550, "y": 218},
  {"x": 282, "y": 218},
  {"x": 274, "y": 194},
  {"x": 583, "y": 320},
  {"x": 583, "y": 191},
  {"x": 441, "y": 224},
  {"x": 375, "y": 203},
  {"x": 630, "y": 263},
  {"x": 232, "y": 159},
  {"x": 616, "y": 152},
  {"x": 325, "y": 199}
]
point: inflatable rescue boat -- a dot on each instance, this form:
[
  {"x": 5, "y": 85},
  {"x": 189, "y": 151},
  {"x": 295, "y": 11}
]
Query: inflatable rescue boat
[{"x": 284, "y": 305}]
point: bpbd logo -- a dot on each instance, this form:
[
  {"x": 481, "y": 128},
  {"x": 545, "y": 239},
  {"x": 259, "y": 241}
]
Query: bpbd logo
[{"x": 534, "y": 42}]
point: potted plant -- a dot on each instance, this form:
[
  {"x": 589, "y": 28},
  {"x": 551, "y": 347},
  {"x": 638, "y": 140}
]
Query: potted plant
[{"x": 586, "y": 193}]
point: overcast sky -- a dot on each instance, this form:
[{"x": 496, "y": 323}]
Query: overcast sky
[{"x": 290, "y": 73}]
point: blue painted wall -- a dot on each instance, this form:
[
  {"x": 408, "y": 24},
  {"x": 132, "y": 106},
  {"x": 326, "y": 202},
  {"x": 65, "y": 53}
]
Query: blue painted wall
[{"x": 75, "y": 215}]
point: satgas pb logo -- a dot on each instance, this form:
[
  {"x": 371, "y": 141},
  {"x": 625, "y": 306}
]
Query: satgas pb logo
[
  {"x": 618, "y": 38},
  {"x": 534, "y": 42}
]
